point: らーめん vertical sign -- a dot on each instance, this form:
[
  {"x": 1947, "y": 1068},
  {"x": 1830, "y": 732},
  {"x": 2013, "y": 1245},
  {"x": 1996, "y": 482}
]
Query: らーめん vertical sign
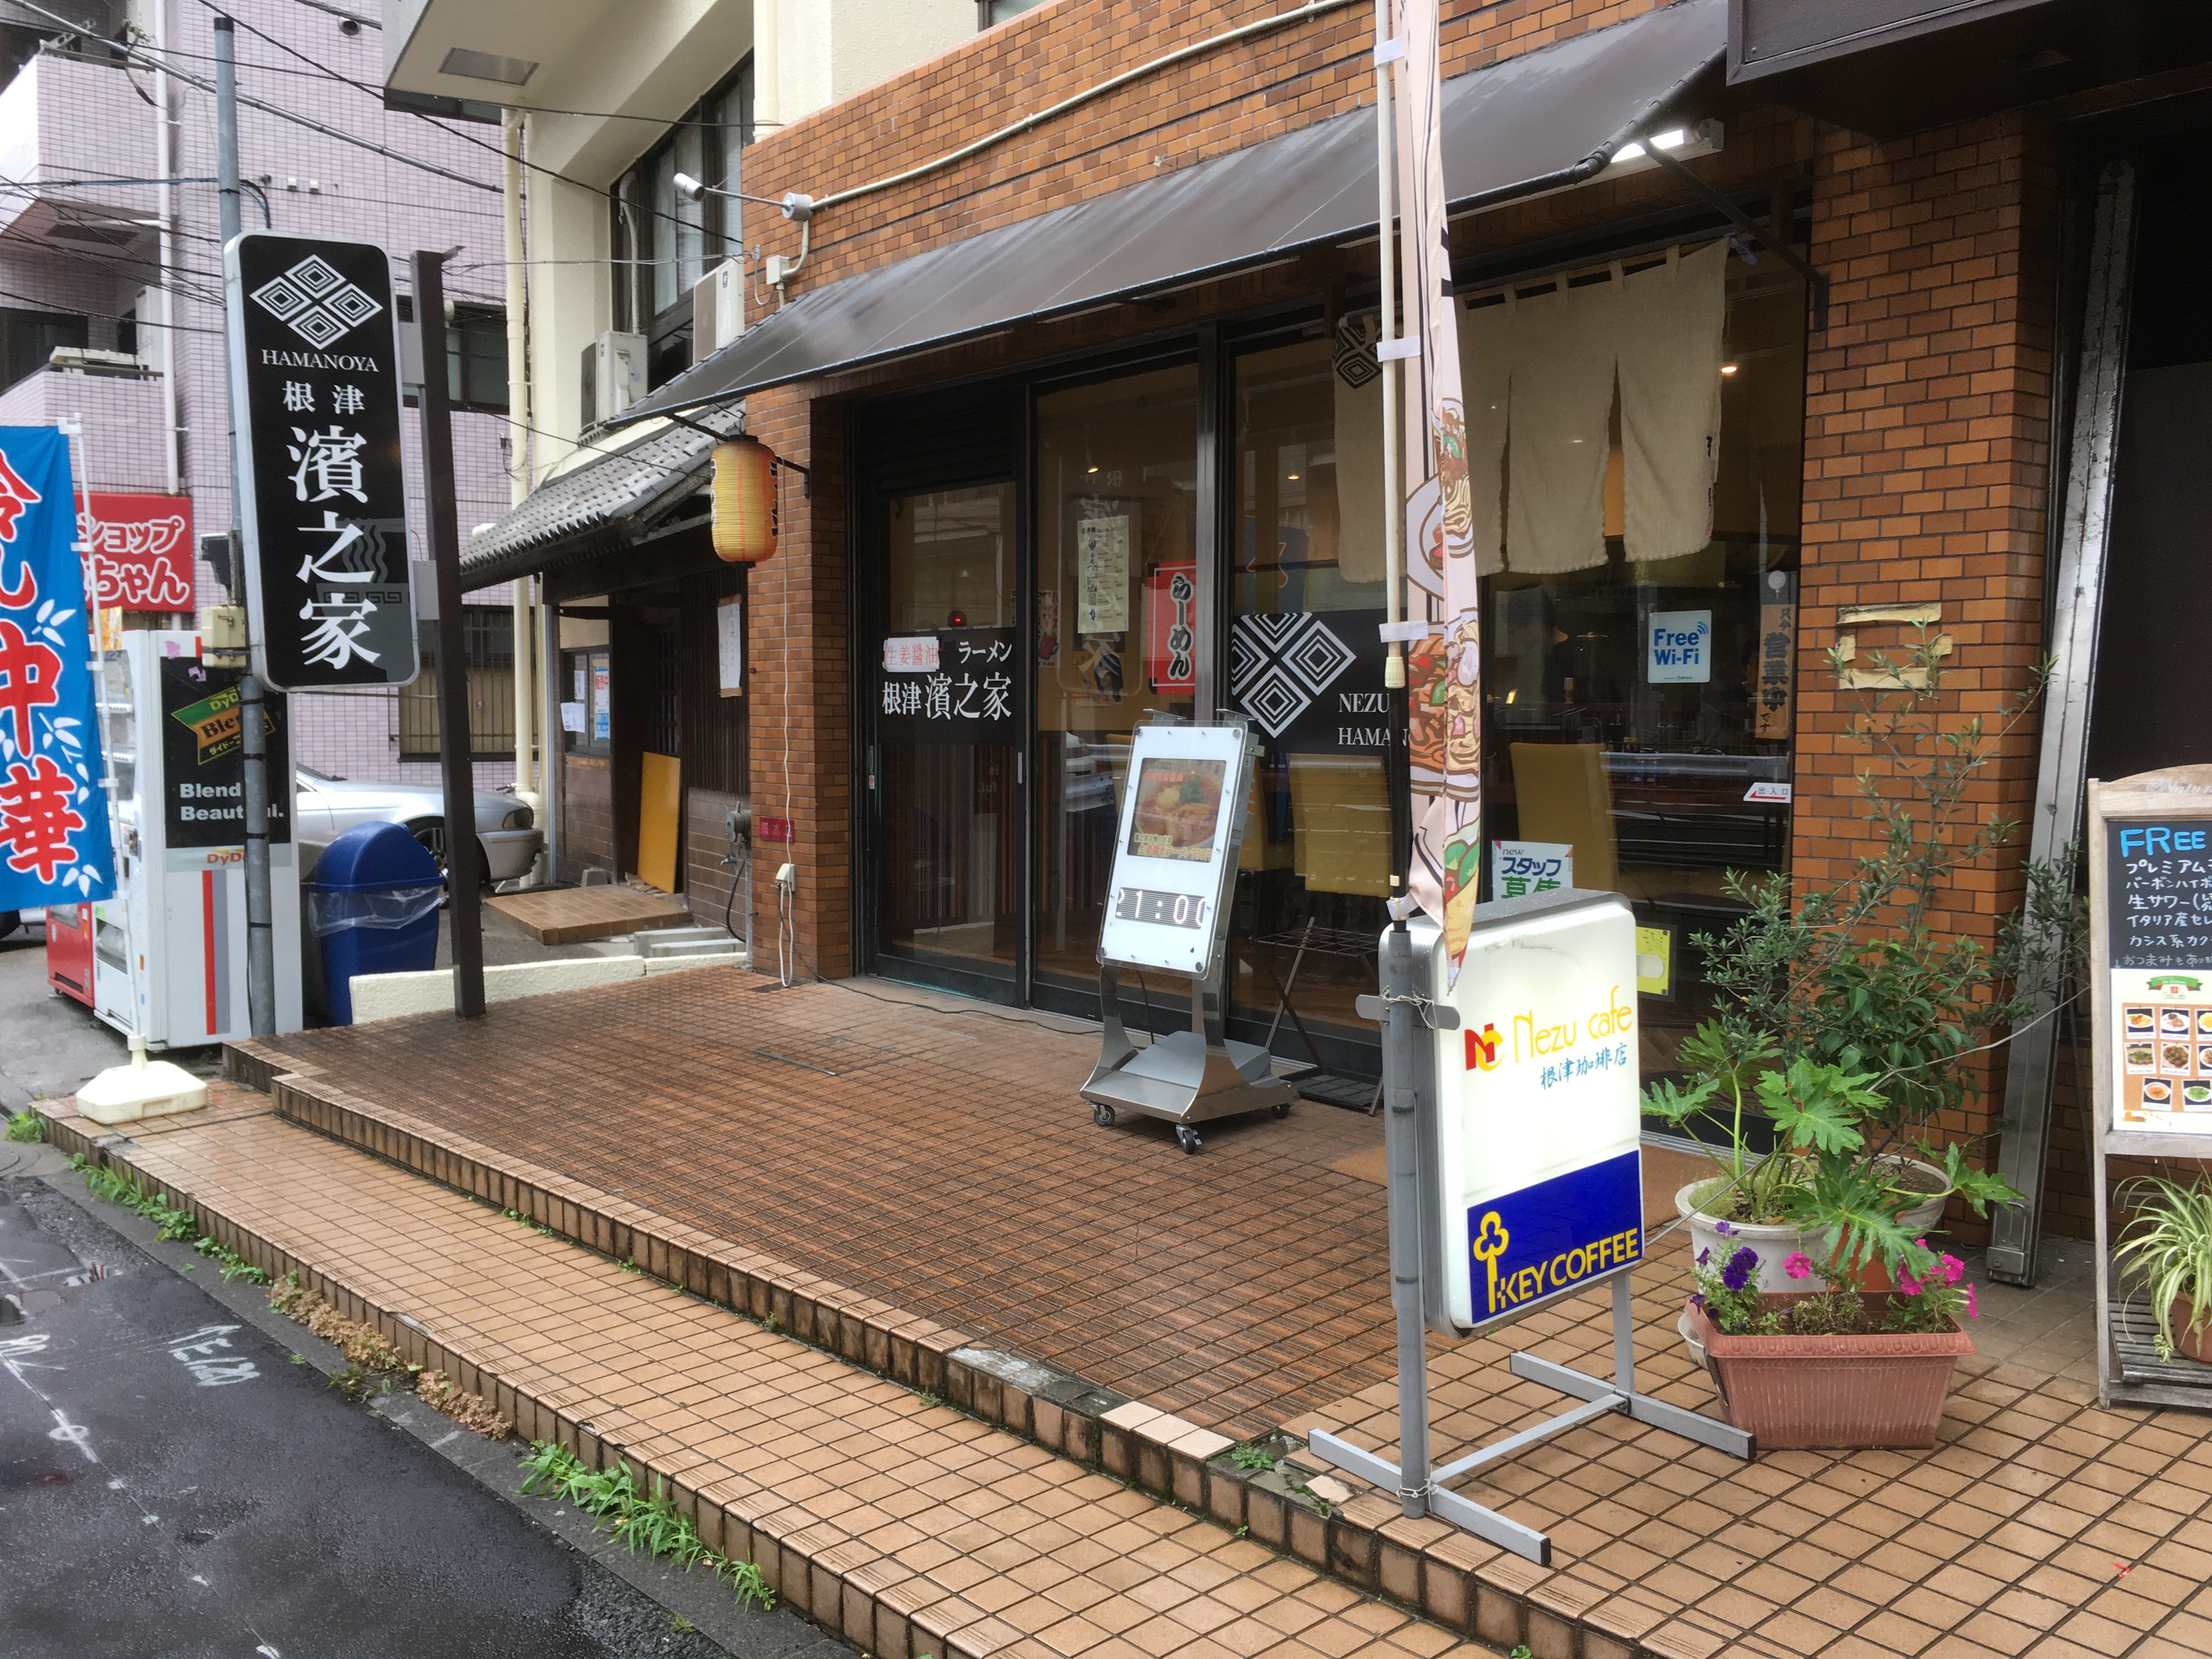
[
  {"x": 1539, "y": 1172},
  {"x": 322, "y": 508}
]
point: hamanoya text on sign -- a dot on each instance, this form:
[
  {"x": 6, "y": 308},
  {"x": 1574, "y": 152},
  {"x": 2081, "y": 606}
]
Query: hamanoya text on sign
[{"x": 322, "y": 505}]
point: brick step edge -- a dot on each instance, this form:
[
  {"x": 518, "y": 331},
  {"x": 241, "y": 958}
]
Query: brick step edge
[
  {"x": 1427, "y": 1565},
  {"x": 809, "y": 1582}
]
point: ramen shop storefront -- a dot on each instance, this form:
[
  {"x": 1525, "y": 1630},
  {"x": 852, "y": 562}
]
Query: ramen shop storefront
[{"x": 1049, "y": 560}]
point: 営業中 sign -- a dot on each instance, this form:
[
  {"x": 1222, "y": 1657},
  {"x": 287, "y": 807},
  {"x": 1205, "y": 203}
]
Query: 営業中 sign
[
  {"x": 1538, "y": 1174},
  {"x": 55, "y": 845},
  {"x": 322, "y": 508}
]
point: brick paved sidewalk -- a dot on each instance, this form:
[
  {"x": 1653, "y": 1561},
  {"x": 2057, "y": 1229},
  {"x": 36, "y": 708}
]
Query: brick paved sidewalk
[
  {"x": 2009, "y": 1538},
  {"x": 909, "y": 1527},
  {"x": 947, "y": 1168}
]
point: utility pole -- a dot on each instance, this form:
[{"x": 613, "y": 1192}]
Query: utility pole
[
  {"x": 260, "y": 938},
  {"x": 462, "y": 869}
]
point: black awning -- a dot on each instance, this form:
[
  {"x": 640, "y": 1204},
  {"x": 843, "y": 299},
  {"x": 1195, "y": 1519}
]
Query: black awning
[
  {"x": 1545, "y": 119},
  {"x": 598, "y": 504}
]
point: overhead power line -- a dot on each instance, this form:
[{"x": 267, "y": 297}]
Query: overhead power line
[{"x": 153, "y": 60}]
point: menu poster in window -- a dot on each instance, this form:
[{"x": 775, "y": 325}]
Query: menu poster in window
[
  {"x": 1171, "y": 627},
  {"x": 1102, "y": 574},
  {"x": 2158, "y": 933},
  {"x": 1776, "y": 664},
  {"x": 1298, "y": 675},
  {"x": 961, "y": 692},
  {"x": 730, "y": 645}
]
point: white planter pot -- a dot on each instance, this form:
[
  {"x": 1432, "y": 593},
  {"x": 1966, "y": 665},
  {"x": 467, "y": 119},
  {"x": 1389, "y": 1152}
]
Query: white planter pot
[
  {"x": 1775, "y": 1245},
  {"x": 1921, "y": 1217}
]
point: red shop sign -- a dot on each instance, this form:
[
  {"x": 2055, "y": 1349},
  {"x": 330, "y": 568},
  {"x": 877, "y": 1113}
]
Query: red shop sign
[
  {"x": 1171, "y": 627},
  {"x": 141, "y": 555},
  {"x": 776, "y": 829}
]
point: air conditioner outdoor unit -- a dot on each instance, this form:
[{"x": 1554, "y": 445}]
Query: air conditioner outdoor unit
[
  {"x": 614, "y": 375},
  {"x": 718, "y": 309}
]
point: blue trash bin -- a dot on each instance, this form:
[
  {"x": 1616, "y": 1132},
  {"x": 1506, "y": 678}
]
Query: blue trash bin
[{"x": 373, "y": 905}]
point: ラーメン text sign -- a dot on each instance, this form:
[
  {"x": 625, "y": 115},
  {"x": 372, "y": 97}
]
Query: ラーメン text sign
[
  {"x": 1539, "y": 1177},
  {"x": 322, "y": 509}
]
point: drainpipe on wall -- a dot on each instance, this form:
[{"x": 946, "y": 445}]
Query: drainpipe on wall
[
  {"x": 767, "y": 68},
  {"x": 165, "y": 167},
  {"x": 524, "y": 630}
]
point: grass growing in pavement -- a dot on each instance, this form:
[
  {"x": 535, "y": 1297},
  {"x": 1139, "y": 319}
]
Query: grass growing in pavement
[
  {"x": 643, "y": 1519},
  {"x": 169, "y": 1221},
  {"x": 26, "y": 1125}
]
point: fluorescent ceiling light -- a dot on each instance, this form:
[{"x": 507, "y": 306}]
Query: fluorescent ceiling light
[{"x": 487, "y": 66}]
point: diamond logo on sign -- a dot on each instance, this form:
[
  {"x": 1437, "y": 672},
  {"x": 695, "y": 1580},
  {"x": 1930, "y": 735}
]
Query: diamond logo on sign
[
  {"x": 316, "y": 302},
  {"x": 1278, "y": 664}
]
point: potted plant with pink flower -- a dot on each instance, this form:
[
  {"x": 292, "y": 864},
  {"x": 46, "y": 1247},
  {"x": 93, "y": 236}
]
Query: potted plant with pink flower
[
  {"x": 1826, "y": 1362},
  {"x": 1835, "y": 1367}
]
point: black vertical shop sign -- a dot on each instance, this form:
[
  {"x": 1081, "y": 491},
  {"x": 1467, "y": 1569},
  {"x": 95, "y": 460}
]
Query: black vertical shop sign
[{"x": 322, "y": 508}]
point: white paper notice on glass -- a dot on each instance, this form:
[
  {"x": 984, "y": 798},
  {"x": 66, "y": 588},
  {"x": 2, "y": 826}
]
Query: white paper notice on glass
[
  {"x": 1678, "y": 647},
  {"x": 730, "y": 645},
  {"x": 910, "y": 653},
  {"x": 1102, "y": 582},
  {"x": 572, "y": 717}
]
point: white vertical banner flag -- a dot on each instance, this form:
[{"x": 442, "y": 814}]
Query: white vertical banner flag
[{"x": 1444, "y": 672}]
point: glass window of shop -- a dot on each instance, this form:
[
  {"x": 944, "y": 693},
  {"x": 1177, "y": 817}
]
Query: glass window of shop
[
  {"x": 1632, "y": 707},
  {"x": 1116, "y": 527}
]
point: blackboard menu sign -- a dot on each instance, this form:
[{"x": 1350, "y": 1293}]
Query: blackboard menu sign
[{"x": 2159, "y": 880}]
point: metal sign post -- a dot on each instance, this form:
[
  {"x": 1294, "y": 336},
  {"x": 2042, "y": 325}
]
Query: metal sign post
[
  {"x": 1181, "y": 827},
  {"x": 1515, "y": 1171}
]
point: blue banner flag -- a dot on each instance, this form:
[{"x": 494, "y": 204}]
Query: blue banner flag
[{"x": 55, "y": 848}]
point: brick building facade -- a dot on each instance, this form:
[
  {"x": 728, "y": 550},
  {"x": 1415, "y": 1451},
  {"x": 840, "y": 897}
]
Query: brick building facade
[{"x": 1923, "y": 438}]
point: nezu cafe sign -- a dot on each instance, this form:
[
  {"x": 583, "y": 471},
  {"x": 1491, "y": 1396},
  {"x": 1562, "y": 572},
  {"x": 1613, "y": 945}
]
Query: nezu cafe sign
[{"x": 1538, "y": 1174}]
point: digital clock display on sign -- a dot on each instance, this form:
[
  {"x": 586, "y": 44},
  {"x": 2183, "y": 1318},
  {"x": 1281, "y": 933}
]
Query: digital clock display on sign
[{"x": 1167, "y": 909}]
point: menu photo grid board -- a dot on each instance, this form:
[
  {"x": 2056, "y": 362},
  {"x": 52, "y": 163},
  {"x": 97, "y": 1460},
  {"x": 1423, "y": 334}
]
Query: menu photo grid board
[{"x": 2158, "y": 938}]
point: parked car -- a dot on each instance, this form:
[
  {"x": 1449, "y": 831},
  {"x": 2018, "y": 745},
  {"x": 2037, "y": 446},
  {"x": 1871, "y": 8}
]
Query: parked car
[{"x": 509, "y": 840}]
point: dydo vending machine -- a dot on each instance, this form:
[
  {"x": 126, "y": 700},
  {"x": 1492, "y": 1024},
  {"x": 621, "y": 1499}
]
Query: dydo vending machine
[{"x": 169, "y": 949}]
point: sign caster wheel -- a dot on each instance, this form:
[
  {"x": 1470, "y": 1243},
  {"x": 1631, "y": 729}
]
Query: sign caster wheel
[
  {"x": 1102, "y": 1115},
  {"x": 1188, "y": 1137},
  {"x": 1280, "y": 1112}
]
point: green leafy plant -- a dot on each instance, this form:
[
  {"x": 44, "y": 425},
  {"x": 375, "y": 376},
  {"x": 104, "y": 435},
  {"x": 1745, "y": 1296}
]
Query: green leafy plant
[
  {"x": 1826, "y": 1175},
  {"x": 2168, "y": 1246},
  {"x": 644, "y": 1519},
  {"x": 1863, "y": 972},
  {"x": 26, "y": 1125},
  {"x": 1253, "y": 1459}
]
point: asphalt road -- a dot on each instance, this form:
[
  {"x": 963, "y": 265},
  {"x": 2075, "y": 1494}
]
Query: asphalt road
[{"x": 177, "y": 1479}]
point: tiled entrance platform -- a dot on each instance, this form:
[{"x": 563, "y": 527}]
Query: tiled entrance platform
[{"x": 918, "y": 1191}]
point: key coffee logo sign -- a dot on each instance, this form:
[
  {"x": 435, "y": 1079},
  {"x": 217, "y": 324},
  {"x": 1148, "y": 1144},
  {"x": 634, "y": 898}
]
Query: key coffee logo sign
[{"x": 322, "y": 506}]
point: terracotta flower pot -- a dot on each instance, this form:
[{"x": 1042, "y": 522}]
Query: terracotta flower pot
[
  {"x": 2197, "y": 1347},
  {"x": 1878, "y": 1389}
]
